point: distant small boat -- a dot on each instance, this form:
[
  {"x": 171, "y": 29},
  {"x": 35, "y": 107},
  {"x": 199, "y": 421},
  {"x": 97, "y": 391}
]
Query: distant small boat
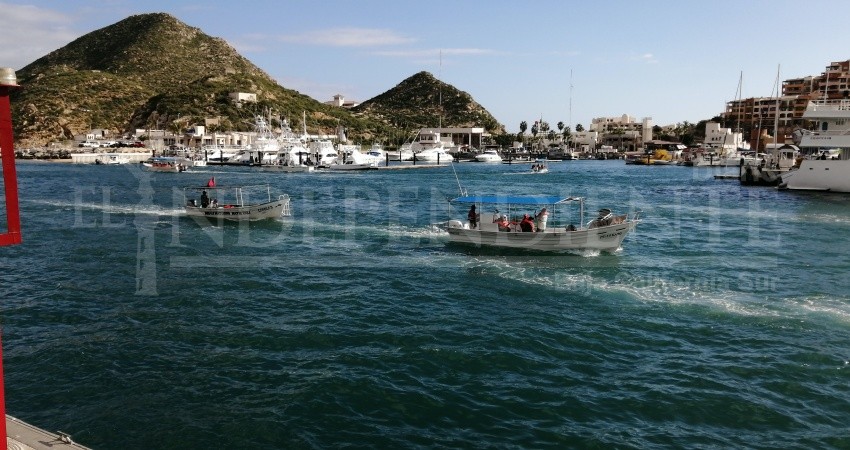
[
  {"x": 233, "y": 203},
  {"x": 540, "y": 166},
  {"x": 167, "y": 164},
  {"x": 110, "y": 159}
]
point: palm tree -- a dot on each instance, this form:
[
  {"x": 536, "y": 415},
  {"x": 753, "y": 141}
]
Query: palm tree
[
  {"x": 579, "y": 128},
  {"x": 565, "y": 133},
  {"x": 522, "y": 127}
]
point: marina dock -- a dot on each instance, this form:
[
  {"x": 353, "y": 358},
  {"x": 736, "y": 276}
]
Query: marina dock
[
  {"x": 411, "y": 166},
  {"x": 23, "y": 436}
]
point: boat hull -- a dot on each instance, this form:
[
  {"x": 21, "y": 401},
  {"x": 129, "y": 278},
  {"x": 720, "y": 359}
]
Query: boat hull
[
  {"x": 607, "y": 238},
  {"x": 269, "y": 210},
  {"x": 819, "y": 175}
]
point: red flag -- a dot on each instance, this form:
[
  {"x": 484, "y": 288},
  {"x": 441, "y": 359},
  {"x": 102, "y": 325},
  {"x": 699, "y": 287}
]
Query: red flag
[{"x": 211, "y": 183}]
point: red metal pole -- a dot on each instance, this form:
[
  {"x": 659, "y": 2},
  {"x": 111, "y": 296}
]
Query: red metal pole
[
  {"x": 13, "y": 217},
  {"x": 10, "y": 180}
]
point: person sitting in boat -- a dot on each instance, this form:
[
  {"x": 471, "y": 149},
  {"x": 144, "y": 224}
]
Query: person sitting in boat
[
  {"x": 541, "y": 218},
  {"x": 502, "y": 223},
  {"x": 214, "y": 203},
  {"x": 571, "y": 227},
  {"x": 205, "y": 199},
  {"x": 526, "y": 224},
  {"x": 473, "y": 217}
]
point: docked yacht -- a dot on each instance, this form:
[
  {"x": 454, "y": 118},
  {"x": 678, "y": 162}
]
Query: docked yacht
[
  {"x": 404, "y": 153},
  {"x": 218, "y": 154},
  {"x": 322, "y": 152},
  {"x": 428, "y": 147},
  {"x": 825, "y": 161},
  {"x": 351, "y": 158},
  {"x": 488, "y": 156}
]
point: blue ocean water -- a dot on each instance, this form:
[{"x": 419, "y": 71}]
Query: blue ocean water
[{"x": 722, "y": 322}]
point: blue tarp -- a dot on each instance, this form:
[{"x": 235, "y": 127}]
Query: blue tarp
[{"x": 515, "y": 199}]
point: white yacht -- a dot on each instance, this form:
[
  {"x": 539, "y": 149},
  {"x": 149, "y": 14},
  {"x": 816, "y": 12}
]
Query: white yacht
[
  {"x": 351, "y": 158},
  {"x": 217, "y": 154},
  {"x": 825, "y": 165},
  {"x": 322, "y": 152},
  {"x": 404, "y": 153},
  {"x": 488, "y": 156},
  {"x": 377, "y": 151},
  {"x": 429, "y": 147}
]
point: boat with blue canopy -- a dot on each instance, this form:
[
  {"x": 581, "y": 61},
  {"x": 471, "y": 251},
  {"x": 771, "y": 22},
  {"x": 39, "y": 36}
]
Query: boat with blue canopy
[{"x": 536, "y": 222}]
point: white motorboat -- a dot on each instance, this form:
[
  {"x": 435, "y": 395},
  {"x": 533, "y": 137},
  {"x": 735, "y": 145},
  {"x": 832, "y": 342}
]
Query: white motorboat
[
  {"x": 112, "y": 158},
  {"x": 237, "y": 203},
  {"x": 826, "y": 165},
  {"x": 769, "y": 169},
  {"x": 322, "y": 152},
  {"x": 404, "y": 153},
  {"x": 377, "y": 151},
  {"x": 434, "y": 155},
  {"x": 167, "y": 164},
  {"x": 429, "y": 147},
  {"x": 353, "y": 159},
  {"x": 551, "y": 233},
  {"x": 488, "y": 156},
  {"x": 218, "y": 154},
  {"x": 540, "y": 166}
]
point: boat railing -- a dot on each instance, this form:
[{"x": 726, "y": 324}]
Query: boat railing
[
  {"x": 828, "y": 105},
  {"x": 286, "y": 211}
]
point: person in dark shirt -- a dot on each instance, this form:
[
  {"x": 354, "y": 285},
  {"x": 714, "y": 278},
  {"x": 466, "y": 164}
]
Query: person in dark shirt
[{"x": 526, "y": 224}]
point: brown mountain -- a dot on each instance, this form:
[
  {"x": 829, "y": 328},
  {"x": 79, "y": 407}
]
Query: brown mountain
[
  {"x": 424, "y": 101},
  {"x": 154, "y": 71}
]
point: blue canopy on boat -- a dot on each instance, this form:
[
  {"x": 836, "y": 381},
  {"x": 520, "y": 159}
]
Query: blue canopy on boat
[{"x": 515, "y": 199}]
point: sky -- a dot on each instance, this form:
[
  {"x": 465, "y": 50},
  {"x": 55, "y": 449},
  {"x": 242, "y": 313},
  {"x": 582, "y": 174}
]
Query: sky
[{"x": 559, "y": 60}]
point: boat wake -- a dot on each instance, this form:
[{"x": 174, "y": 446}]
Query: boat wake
[{"x": 107, "y": 208}]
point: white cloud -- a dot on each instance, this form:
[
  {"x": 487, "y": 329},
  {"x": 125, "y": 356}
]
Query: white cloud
[
  {"x": 349, "y": 37},
  {"x": 435, "y": 52},
  {"x": 29, "y": 32},
  {"x": 648, "y": 58}
]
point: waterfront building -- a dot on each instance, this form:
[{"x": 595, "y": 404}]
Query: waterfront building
[
  {"x": 340, "y": 102},
  {"x": 624, "y": 132},
  {"x": 787, "y": 110},
  {"x": 459, "y": 136}
]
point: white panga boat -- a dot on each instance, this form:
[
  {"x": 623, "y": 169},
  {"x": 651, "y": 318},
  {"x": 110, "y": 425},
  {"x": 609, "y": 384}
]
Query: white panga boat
[
  {"x": 540, "y": 166},
  {"x": 551, "y": 231},
  {"x": 235, "y": 203}
]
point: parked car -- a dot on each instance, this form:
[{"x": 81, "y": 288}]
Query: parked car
[{"x": 90, "y": 144}]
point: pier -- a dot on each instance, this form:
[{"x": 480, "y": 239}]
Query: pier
[{"x": 21, "y": 435}]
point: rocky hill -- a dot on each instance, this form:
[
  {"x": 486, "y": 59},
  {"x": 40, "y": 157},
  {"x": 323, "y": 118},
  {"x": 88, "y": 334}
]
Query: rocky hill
[
  {"x": 154, "y": 71},
  {"x": 424, "y": 101}
]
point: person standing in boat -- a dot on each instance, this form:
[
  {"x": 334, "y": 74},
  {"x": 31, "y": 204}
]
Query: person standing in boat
[
  {"x": 205, "y": 199},
  {"x": 473, "y": 217},
  {"x": 541, "y": 218}
]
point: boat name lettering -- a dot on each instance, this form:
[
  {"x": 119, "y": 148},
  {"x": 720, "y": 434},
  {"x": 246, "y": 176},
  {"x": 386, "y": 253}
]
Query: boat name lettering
[
  {"x": 610, "y": 235},
  {"x": 222, "y": 213}
]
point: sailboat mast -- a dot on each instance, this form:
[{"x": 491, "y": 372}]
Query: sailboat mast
[
  {"x": 776, "y": 115},
  {"x": 440, "y": 97}
]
